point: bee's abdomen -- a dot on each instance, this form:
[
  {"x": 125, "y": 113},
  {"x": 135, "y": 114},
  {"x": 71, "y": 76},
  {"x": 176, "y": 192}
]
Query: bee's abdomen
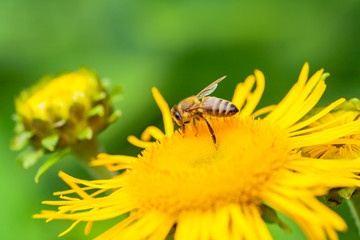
[
  {"x": 224, "y": 109},
  {"x": 218, "y": 107}
]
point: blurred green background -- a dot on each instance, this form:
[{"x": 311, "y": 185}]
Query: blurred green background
[{"x": 178, "y": 46}]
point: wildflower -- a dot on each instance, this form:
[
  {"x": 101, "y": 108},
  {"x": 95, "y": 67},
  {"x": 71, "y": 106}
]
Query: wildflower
[
  {"x": 183, "y": 186},
  {"x": 345, "y": 147},
  {"x": 59, "y": 112}
]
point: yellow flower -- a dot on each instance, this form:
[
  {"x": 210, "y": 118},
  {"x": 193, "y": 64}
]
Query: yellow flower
[
  {"x": 344, "y": 147},
  {"x": 187, "y": 187},
  {"x": 60, "y": 112},
  {"x": 53, "y": 101}
]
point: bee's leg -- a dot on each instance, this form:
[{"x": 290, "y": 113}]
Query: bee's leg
[
  {"x": 176, "y": 127},
  {"x": 183, "y": 127},
  {"x": 194, "y": 121},
  {"x": 211, "y": 131}
]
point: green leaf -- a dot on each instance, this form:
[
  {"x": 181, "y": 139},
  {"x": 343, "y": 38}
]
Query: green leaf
[
  {"x": 98, "y": 110},
  {"x": 86, "y": 134},
  {"x": 50, "y": 142},
  {"x": 19, "y": 126},
  {"x": 346, "y": 192},
  {"x": 54, "y": 158},
  {"x": 19, "y": 141},
  {"x": 29, "y": 157},
  {"x": 101, "y": 96},
  {"x": 114, "y": 116},
  {"x": 269, "y": 215}
]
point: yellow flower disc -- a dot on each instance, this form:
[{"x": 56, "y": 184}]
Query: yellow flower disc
[{"x": 190, "y": 173}]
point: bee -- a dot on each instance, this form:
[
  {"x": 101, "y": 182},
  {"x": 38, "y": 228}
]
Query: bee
[{"x": 198, "y": 107}]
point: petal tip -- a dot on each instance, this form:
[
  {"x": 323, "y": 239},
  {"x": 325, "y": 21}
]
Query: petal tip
[
  {"x": 155, "y": 90},
  {"x": 258, "y": 73}
]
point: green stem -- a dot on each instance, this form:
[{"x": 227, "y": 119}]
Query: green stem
[
  {"x": 88, "y": 150},
  {"x": 354, "y": 207}
]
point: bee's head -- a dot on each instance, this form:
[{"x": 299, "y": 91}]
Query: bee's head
[{"x": 176, "y": 115}]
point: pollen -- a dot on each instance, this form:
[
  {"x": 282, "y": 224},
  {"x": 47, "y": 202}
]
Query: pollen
[{"x": 190, "y": 172}]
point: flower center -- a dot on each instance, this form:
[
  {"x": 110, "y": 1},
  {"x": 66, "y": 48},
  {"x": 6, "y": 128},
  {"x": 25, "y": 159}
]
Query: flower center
[{"x": 190, "y": 172}]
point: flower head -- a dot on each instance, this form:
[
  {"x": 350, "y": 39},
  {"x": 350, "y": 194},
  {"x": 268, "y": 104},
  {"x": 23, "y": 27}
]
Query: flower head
[
  {"x": 344, "y": 147},
  {"x": 61, "y": 111},
  {"x": 183, "y": 185}
]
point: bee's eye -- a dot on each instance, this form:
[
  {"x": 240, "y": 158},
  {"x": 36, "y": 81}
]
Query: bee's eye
[{"x": 177, "y": 115}]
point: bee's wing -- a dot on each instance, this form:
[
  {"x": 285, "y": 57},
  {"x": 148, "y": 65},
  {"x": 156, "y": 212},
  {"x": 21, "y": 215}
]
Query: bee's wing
[{"x": 209, "y": 89}]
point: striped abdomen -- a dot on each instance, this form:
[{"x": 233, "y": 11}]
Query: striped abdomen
[{"x": 218, "y": 107}]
